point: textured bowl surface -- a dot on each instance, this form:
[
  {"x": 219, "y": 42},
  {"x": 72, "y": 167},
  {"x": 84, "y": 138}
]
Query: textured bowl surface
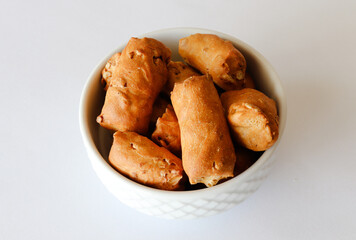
[{"x": 188, "y": 204}]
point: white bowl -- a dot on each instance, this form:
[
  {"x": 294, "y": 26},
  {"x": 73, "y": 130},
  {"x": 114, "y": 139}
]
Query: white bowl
[{"x": 181, "y": 204}]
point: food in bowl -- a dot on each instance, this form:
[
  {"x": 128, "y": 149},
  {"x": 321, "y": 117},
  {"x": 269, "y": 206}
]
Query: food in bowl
[
  {"x": 195, "y": 201},
  {"x": 143, "y": 161},
  {"x": 215, "y": 56},
  {"x": 135, "y": 78},
  {"x": 207, "y": 148},
  {"x": 140, "y": 74},
  {"x": 252, "y": 117}
]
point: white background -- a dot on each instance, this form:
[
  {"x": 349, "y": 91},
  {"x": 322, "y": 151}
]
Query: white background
[{"x": 48, "y": 189}]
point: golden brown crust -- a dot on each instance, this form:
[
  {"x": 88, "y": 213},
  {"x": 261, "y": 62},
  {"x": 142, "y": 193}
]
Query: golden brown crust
[
  {"x": 207, "y": 151},
  {"x": 167, "y": 133},
  {"x": 177, "y": 72},
  {"x": 252, "y": 117},
  {"x": 217, "y": 57},
  {"x": 108, "y": 70},
  {"x": 141, "y": 160},
  {"x": 134, "y": 86}
]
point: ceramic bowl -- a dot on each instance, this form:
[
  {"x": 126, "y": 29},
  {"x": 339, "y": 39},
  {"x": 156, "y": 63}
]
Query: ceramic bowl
[{"x": 178, "y": 204}]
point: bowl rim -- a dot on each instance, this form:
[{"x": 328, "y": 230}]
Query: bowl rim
[{"x": 92, "y": 150}]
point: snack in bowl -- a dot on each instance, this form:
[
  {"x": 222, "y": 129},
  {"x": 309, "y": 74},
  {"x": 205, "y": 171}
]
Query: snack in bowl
[
  {"x": 194, "y": 201},
  {"x": 143, "y": 161},
  {"x": 216, "y": 57},
  {"x": 252, "y": 117},
  {"x": 134, "y": 86},
  {"x": 198, "y": 131},
  {"x": 208, "y": 154}
]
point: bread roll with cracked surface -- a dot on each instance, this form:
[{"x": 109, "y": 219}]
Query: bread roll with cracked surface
[
  {"x": 208, "y": 154},
  {"x": 134, "y": 86},
  {"x": 141, "y": 160},
  {"x": 177, "y": 72},
  {"x": 252, "y": 117},
  {"x": 215, "y": 56},
  {"x": 108, "y": 70},
  {"x": 167, "y": 133}
]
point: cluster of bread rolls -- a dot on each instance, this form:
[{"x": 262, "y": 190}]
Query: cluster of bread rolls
[{"x": 171, "y": 127}]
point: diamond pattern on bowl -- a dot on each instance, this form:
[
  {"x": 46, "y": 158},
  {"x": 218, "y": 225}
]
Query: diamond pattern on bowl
[
  {"x": 193, "y": 207},
  {"x": 200, "y": 207}
]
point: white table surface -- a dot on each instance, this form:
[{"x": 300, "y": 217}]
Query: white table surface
[{"x": 48, "y": 189}]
